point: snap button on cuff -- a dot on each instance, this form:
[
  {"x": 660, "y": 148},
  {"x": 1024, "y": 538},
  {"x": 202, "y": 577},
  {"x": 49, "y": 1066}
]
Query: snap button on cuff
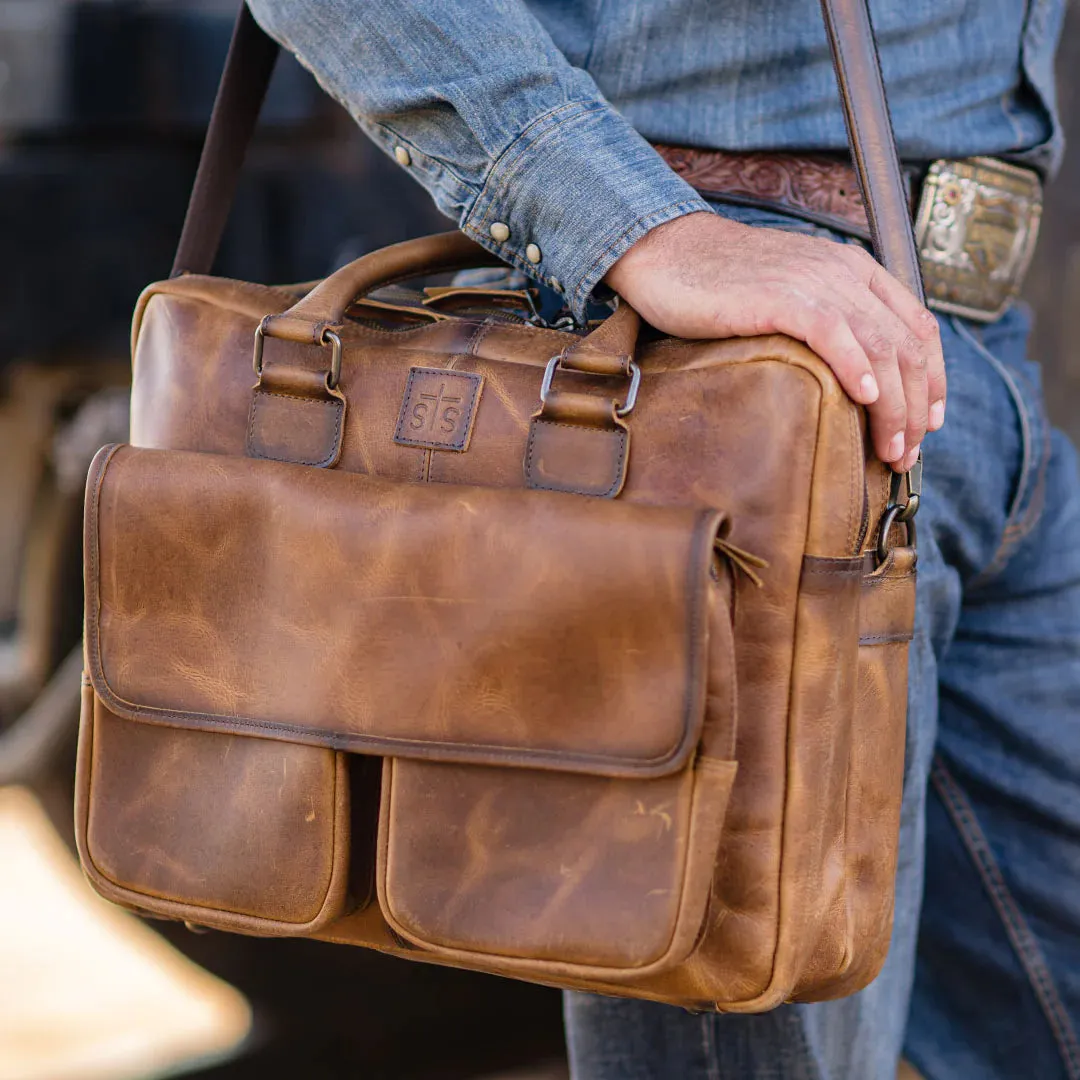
[
  {"x": 533, "y": 254},
  {"x": 403, "y": 156},
  {"x": 556, "y": 284},
  {"x": 500, "y": 231}
]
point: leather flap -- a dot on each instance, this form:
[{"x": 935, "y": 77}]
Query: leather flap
[{"x": 418, "y": 621}]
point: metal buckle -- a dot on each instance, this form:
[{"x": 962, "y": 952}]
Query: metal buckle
[
  {"x": 903, "y": 506},
  {"x": 976, "y": 227},
  {"x": 622, "y": 411},
  {"x": 328, "y": 337}
]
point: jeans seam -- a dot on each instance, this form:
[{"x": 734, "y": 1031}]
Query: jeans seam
[
  {"x": 808, "y": 1068},
  {"x": 807, "y": 1064},
  {"x": 1020, "y": 936},
  {"x": 708, "y": 1046},
  {"x": 1024, "y": 511}
]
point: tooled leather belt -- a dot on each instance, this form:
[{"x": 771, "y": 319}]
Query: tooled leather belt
[{"x": 976, "y": 219}]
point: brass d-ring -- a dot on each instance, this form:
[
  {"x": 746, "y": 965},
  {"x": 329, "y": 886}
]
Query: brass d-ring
[
  {"x": 621, "y": 411},
  {"x": 328, "y": 337},
  {"x": 260, "y": 333},
  {"x": 627, "y": 407},
  {"x": 895, "y": 515}
]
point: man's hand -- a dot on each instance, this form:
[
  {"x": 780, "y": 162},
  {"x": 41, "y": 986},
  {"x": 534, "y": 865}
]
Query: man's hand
[{"x": 702, "y": 276}]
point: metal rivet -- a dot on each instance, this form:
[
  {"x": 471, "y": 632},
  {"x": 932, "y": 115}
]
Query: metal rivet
[
  {"x": 556, "y": 284},
  {"x": 533, "y": 253},
  {"x": 500, "y": 231},
  {"x": 403, "y": 156}
]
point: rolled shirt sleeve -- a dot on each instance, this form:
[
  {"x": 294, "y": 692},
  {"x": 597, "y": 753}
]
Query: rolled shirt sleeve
[{"x": 515, "y": 144}]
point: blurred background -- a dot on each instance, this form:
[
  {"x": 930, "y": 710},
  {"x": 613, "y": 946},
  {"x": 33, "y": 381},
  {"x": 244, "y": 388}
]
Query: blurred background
[{"x": 102, "y": 109}]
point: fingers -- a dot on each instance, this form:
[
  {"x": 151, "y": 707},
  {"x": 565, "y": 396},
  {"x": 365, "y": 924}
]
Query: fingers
[
  {"x": 862, "y": 341},
  {"x": 713, "y": 278},
  {"x": 829, "y": 334},
  {"x": 898, "y": 421},
  {"x": 919, "y": 320}
]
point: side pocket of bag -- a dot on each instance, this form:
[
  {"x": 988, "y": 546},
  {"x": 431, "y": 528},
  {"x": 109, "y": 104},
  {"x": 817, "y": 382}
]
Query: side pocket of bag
[
  {"x": 814, "y": 933},
  {"x": 244, "y": 834},
  {"x": 875, "y": 775},
  {"x": 875, "y": 789}
]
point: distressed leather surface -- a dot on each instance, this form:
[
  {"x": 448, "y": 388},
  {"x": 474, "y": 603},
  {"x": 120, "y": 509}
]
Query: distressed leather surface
[
  {"x": 803, "y": 787},
  {"x": 603, "y": 877},
  {"x": 256, "y": 598},
  {"x": 150, "y": 831}
]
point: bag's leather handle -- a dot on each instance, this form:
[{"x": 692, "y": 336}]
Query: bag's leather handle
[
  {"x": 250, "y": 64},
  {"x": 607, "y": 350},
  {"x": 326, "y": 304}
]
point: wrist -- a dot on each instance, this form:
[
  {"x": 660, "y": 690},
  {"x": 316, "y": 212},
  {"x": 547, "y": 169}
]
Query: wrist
[{"x": 663, "y": 245}]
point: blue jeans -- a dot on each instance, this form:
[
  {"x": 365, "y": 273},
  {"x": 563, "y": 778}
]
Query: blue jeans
[{"x": 982, "y": 981}]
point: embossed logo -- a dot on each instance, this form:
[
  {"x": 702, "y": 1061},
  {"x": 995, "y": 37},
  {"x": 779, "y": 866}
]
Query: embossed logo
[{"x": 438, "y": 409}]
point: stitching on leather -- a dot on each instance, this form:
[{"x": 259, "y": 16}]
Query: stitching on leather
[
  {"x": 616, "y": 483},
  {"x": 729, "y": 653},
  {"x": 322, "y": 462},
  {"x": 698, "y": 584},
  {"x": 901, "y": 582},
  {"x": 297, "y": 397},
  {"x": 853, "y": 481},
  {"x": 1027, "y": 949},
  {"x": 816, "y": 569},
  {"x": 462, "y": 442},
  {"x": 341, "y": 741},
  {"x": 200, "y": 721},
  {"x": 478, "y": 336},
  {"x": 887, "y": 638}
]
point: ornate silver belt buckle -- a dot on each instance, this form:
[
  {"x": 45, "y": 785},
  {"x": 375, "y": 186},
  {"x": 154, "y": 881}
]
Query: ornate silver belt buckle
[{"x": 976, "y": 227}]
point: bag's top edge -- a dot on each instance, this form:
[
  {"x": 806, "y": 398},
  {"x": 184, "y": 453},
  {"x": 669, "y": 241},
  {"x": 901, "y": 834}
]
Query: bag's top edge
[
  {"x": 327, "y": 608},
  {"x": 251, "y": 301}
]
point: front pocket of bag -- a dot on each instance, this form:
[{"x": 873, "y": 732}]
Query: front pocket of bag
[
  {"x": 550, "y": 870},
  {"x": 249, "y": 623},
  {"x": 242, "y": 833}
]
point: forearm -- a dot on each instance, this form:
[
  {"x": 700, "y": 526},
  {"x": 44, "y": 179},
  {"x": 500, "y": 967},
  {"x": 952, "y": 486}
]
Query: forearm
[{"x": 515, "y": 144}]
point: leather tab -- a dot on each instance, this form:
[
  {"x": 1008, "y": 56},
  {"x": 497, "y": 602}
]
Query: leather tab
[
  {"x": 438, "y": 409},
  {"x": 609, "y": 349},
  {"x": 287, "y": 424},
  {"x": 576, "y": 459},
  {"x": 295, "y": 328}
]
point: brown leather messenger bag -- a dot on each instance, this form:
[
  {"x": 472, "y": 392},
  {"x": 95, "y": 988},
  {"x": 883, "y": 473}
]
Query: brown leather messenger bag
[{"x": 445, "y": 637}]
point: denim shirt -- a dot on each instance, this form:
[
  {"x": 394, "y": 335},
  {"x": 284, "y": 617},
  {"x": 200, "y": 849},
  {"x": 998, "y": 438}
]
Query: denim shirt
[{"x": 527, "y": 120}]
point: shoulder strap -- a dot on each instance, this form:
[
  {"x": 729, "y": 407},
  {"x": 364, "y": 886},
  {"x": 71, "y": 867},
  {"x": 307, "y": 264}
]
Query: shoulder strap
[
  {"x": 248, "y": 67},
  {"x": 870, "y": 135},
  {"x": 250, "y": 64}
]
